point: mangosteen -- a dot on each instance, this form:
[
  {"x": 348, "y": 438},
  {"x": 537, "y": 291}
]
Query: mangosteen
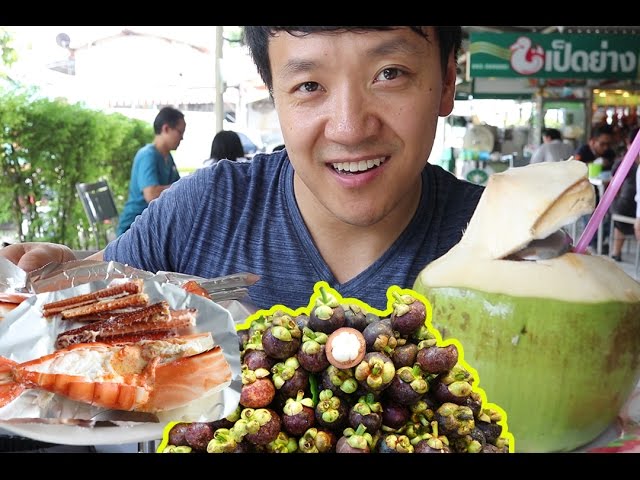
[
  {"x": 198, "y": 435},
  {"x": 345, "y": 348},
  {"x": 368, "y": 412},
  {"x": 474, "y": 402},
  {"x": 327, "y": 315},
  {"x": 408, "y": 315},
  {"x": 375, "y": 372},
  {"x": 243, "y": 338},
  {"x": 394, "y": 443},
  {"x": 340, "y": 382},
  {"x": 379, "y": 337},
  {"x": 257, "y": 388},
  {"x": 261, "y": 425},
  {"x": 289, "y": 378},
  {"x": 431, "y": 442},
  {"x": 282, "y": 444},
  {"x": 228, "y": 421},
  {"x": 224, "y": 441},
  {"x": 298, "y": 415},
  {"x": 354, "y": 317},
  {"x": 317, "y": 440},
  {"x": 454, "y": 420},
  {"x": 176, "y": 434},
  {"x": 408, "y": 386},
  {"x": 311, "y": 353},
  {"x": 467, "y": 444},
  {"x": 434, "y": 359},
  {"x": 331, "y": 411},
  {"x": 282, "y": 339},
  {"x": 302, "y": 321},
  {"x": 394, "y": 416},
  {"x": 404, "y": 355},
  {"x": 455, "y": 392},
  {"x": 255, "y": 359},
  {"x": 355, "y": 441}
]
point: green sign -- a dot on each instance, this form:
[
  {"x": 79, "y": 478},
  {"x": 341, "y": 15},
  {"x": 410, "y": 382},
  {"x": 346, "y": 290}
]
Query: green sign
[{"x": 554, "y": 56}]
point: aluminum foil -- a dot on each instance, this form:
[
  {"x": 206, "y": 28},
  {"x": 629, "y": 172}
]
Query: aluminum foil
[{"x": 25, "y": 335}]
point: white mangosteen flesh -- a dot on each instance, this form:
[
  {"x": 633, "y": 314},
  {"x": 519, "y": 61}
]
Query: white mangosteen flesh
[{"x": 345, "y": 347}]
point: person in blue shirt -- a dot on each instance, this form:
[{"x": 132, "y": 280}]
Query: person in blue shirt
[
  {"x": 153, "y": 169},
  {"x": 351, "y": 201}
]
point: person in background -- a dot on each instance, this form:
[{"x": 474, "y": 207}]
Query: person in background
[
  {"x": 226, "y": 144},
  {"x": 625, "y": 202},
  {"x": 598, "y": 146},
  {"x": 351, "y": 201},
  {"x": 153, "y": 169},
  {"x": 552, "y": 149}
]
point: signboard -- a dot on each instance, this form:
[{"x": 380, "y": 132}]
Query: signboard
[{"x": 554, "y": 56}]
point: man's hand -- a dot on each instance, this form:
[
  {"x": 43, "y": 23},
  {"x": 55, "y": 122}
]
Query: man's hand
[
  {"x": 31, "y": 256},
  {"x": 636, "y": 228}
]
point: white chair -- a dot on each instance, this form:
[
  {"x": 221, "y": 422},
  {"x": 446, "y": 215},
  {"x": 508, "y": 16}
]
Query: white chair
[{"x": 615, "y": 217}]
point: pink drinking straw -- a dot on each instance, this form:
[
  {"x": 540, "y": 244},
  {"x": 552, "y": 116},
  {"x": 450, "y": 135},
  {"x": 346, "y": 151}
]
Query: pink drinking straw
[{"x": 608, "y": 196}]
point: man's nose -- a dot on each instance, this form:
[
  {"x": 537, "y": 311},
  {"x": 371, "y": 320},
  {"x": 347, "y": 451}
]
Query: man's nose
[{"x": 351, "y": 118}]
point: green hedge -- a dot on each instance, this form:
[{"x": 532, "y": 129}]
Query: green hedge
[{"x": 46, "y": 147}]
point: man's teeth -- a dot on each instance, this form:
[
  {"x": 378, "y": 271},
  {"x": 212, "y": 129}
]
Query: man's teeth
[{"x": 360, "y": 166}]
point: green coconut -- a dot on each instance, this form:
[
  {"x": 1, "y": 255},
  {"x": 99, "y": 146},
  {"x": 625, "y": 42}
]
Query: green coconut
[{"x": 556, "y": 342}]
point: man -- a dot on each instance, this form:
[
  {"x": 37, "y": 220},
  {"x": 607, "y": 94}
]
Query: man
[
  {"x": 598, "y": 146},
  {"x": 553, "y": 149},
  {"x": 153, "y": 169},
  {"x": 351, "y": 201}
]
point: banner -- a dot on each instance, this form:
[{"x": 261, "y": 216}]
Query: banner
[{"x": 554, "y": 56}]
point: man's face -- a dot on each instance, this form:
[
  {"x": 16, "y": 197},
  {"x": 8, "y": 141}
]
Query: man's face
[
  {"x": 601, "y": 144},
  {"x": 176, "y": 134},
  {"x": 358, "y": 112}
]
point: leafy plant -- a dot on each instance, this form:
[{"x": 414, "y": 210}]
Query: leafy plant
[{"x": 46, "y": 147}]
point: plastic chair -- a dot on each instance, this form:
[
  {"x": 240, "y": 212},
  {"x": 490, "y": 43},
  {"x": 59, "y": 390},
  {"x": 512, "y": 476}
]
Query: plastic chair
[{"x": 100, "y": 208}]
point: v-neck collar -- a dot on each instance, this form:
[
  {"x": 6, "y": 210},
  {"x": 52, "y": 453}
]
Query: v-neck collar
[{"x": 422, "y": 219}]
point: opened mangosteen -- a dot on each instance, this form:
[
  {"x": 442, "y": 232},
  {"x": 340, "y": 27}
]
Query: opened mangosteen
[{"x": 345, "y": 348}]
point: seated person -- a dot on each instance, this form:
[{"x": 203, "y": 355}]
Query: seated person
[
  {"x": 553, "y": 149},
  {"x": 599, "y": 145}
]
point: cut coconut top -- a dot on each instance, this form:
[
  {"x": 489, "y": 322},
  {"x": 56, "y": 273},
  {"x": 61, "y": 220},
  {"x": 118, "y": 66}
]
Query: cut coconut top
[
  {"x": 527, "y": 203},
  {"x": 518, "y": 206}
]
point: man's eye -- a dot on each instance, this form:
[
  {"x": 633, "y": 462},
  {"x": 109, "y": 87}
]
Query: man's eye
[
  {"x": 389, "y": 74},
  {"x": 309, "y": 87}
]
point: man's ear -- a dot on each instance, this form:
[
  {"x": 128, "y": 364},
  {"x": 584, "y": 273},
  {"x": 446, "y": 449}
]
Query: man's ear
[{"x": 448, "y": 87}]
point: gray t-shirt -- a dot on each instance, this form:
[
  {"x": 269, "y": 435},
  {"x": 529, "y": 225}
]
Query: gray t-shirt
[{"x": 243, "y": 217}]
